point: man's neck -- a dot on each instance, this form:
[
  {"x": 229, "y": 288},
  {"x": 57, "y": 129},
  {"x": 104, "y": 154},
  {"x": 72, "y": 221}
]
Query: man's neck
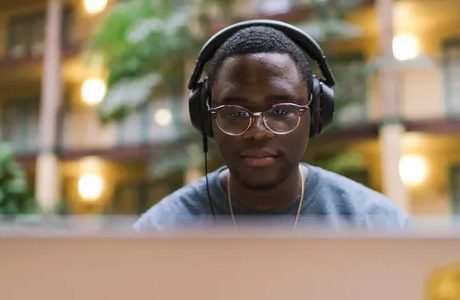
[{"x": 265, "y": 199}]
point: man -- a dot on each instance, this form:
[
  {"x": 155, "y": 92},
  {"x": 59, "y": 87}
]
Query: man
[{"x": 260, "y": 100}]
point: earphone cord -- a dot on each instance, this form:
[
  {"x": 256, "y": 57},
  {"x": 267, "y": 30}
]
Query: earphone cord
[{"x": 205, "y": 150}]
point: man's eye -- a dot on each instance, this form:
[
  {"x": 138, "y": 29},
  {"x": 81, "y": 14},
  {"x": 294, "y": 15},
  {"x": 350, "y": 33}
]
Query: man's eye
[
  {"x": 279, "y": 111},
  {"x": 237, "y": 114}
]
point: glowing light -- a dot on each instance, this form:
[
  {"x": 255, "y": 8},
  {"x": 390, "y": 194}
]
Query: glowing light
[
  {"x": 90, "y": 186},
  {"x": 163, "y": 117},
  {"x": 93, "y": 91},
  {"x": 405, "y": 46},
  {"x": 95, "y": 6},
  {"x": 413, "y": 170}
]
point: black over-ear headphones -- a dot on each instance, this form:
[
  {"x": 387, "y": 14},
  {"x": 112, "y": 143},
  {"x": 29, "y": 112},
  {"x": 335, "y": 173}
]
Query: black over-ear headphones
[{"x": 322, "y": 103}]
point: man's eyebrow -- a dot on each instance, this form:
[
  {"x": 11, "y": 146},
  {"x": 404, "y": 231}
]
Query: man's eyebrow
[
  {"x": 231, "y": 100},
  {"x": 280, "y": 98},
  {"x": 274, "y": 99}
]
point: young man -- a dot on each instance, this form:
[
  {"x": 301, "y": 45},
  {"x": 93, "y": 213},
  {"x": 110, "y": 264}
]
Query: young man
[{"x": 258, "y": 98}]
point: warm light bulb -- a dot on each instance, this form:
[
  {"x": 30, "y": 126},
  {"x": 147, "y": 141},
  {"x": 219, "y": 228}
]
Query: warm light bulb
[
  {"x": 95, "y": 6},
  {"x": 163, "y": 117},
  {"x": 413, "y": 169},
  {"x": 405, "y": 47},
  {"x": 90, "y": 186},
  {"x": 93, "y": 91}
]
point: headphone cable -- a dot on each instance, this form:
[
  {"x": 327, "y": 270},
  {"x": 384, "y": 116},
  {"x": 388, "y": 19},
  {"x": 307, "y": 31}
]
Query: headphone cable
[{"x": 205, "y": 151}]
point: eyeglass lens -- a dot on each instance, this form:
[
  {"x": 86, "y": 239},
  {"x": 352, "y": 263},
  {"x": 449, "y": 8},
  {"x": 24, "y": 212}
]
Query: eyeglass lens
[{"x": 279, "y": 119}]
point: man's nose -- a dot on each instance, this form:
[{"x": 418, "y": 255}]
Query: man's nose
[{"x": 258, "y": 130}]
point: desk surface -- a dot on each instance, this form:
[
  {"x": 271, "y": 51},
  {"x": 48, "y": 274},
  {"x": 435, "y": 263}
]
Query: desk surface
[{"x": 224, "y": 266}]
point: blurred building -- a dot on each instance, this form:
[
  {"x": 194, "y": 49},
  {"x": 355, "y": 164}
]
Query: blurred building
[
  {"x": 101, "y": 166},
  {"x": 112, "y": 167}
]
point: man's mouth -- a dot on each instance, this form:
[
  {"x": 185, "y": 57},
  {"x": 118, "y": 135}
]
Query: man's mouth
[{"x": 259, "y": 158}]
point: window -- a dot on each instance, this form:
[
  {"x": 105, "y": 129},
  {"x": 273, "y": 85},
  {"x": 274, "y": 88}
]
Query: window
[
  {"x": 20, "y": 125},
  {"x": 451, "y": 56},
  {"x": 25, "y": 36},
  {"x": 350, "y": 89},
  {"x": 26, "y": 33}
]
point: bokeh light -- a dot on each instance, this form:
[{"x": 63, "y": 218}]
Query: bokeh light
[
  {"x": 93, "y": 91},
  {"x": 95, "y": 6},
  {"x": 413, "y": 169},
  {"x": 90, "y": 186},
  {"x": 405, "y": 47}
]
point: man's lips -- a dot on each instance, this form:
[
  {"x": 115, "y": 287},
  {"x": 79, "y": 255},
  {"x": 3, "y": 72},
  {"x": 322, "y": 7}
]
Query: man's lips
[
  {"x": 259, "y": 153},
  {"x": 259, "y": 158}
]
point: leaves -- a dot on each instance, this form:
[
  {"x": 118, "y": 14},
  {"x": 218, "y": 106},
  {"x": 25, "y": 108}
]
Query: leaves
[
  {"x": 14, "y": 194},
  {"x": 335, "y": 8},
  {"x": 323, "y": 30},
  {"x": 342, "y": 162},
  {"x": 127, "y": 95},
  {"x": 141, "y": 42},
  {"x": 328, "y": 22}
]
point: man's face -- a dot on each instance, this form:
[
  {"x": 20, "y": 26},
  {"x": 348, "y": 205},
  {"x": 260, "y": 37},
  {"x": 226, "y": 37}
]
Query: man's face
[{"x": 259, "y": 158}]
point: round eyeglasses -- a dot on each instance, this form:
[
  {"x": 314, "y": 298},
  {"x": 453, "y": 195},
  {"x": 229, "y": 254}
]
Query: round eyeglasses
[{"x": 281, "y": 118}]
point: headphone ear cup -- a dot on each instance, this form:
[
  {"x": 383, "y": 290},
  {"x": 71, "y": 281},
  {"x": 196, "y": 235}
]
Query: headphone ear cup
[
  {"x": 315, "y": 107},
  {"x": 194, "y": 107},
  {"x": 327, "y": 106},
  {"x": 198, "y": 111},
  {"x": 206, "y": 116},
  {"x": 322, "y": 107}
]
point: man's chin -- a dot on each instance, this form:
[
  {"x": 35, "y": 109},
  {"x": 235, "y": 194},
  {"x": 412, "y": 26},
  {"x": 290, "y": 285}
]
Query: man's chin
[
  {"x": 258, "y": 186},
  {"x": 259, "y": 183}
]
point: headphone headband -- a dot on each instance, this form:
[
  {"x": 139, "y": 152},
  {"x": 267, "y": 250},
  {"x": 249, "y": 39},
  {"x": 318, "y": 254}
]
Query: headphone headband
[{"x": 296, "y": 35}]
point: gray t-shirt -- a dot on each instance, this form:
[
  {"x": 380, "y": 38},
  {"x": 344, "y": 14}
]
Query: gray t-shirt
[{"x": 330, "y": 200}]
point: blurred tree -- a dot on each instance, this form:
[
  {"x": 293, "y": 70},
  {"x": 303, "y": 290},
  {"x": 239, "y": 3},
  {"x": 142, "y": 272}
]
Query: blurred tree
[
  {"x": 328, "y": 20},
  {"x": 14, "y": 194},
  {"x": 142, "y": 43}
]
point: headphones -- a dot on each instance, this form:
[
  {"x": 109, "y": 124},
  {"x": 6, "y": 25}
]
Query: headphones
[{"x": 322, "y": 94}]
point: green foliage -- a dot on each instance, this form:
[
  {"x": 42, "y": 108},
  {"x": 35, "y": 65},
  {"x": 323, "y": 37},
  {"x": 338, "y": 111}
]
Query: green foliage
[
  {"x": 142, "y": 43},
  {"x": 342, "y": 162},
  {"x": 137, "y": 36},
  {"x": 328, "y": 21},
  {"x": 14, "y": 195},
  {"x": 331, "y": 8},
  {"x": 138, "y": 90}
]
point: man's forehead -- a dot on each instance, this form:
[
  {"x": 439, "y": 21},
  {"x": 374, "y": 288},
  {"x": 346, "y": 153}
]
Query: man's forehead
[
  {"x": 272, "y": 64},
  {"x": 271, "y": 58}
]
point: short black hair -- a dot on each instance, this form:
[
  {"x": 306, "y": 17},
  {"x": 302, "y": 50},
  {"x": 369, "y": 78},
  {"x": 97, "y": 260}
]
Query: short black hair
[{"x": 259, "y": 39}]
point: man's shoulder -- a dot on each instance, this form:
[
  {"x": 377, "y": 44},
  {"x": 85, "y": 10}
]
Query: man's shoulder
[
  {"x": 183, "y": 204},
  {"x": 347, "y": 197},
  {"x": 348, "y": 189}
]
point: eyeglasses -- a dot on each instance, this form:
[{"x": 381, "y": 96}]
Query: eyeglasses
[{"x": 281, "y": 118}]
